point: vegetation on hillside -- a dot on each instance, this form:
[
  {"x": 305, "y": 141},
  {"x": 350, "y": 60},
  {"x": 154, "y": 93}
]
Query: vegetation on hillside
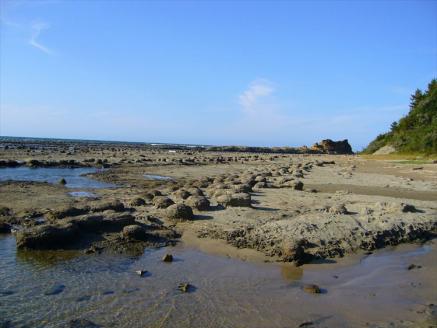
[{"x": 417, "y": 131}]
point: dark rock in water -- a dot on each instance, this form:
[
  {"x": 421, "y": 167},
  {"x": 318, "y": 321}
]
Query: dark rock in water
[
  {"x": 5, "y": 227},
  {"x": 83, "y": 298},
  {"x": 134, "y": 232},
  {"x": 62, "y": 182},
  {"x": 413, "y": 266},
  {"x": 312, "y": 289},
  {"x": 297, "y": 252},
  {"x": 6, "y": 324},
  {"x": 306, "y": 324},
  {"x": 47, "y": 236},
  {"x": 82, "y": 323},
  {"x": 168, "y": 258},
  {"x": 142, "y": 273},
  {"x": 55, "y": 290},
  {"x": 108, "y": 292},
  {"x": 6, "y": 292},
  {"x": 185, "y": 287},
  {"x": 179, "y": 212}
]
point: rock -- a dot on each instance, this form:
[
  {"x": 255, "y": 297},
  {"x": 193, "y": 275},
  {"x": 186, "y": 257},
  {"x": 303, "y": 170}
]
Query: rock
[
  {"x": 408, "y": 208},
  {"x": 58, "y": 214},
  {"x": 338, "y": 209},
  {"x": 115, "y": 205},
  {"x": 185, "y": 287},
  {"x": 47, "y": 236},
  {"x": 200, "y": 203},
  {"x": 82, "y": 323},
  {"x": 235, "y": 200},
  {"x": 62, "y": 182},
  {"x": 296, "y": 252},
  {"x": 4, "y": 211},
  {"x": 181, "y": 194},
  {"x": 333, "y": 147},
  {"x": 298, "y": 185},
  {"x": 312, "y": 289},
  {"x": 141, "y": 273},
  {"x": 413, "y": 266},
  {"x": 179, "y": 212},
  {"x": 109, "y": 222},
  {"x": 5, "y": 227},
  {"x": 138, "y": 201},
  {"x": 167, "y": 258},
  {"x": 57, "y": 289},
  {"x": 134, "y": 232},
  {"x": 162, "y": 202}
]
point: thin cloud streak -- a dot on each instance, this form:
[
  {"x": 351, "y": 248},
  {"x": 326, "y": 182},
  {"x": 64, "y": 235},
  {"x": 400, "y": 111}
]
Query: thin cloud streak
[
  {"x": 36, "y": 29},
  {"x": 257, "y": 90}
]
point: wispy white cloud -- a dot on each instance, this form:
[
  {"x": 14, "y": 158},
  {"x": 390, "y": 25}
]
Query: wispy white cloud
[
  {"x": 36, "y": 29},
  {"x": 257, "y": 90}
]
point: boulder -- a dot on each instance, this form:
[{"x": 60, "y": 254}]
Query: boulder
[
  {"x": 138, "y": 201},
  {"x": 235, "y": 200},
  {"x": 179, "y": 212},
  {"x": 115, "y": 205},
  {"x": 162, "y": 202},
  {"x": 134, "y": 232},
  {"x": 200, "y": 203},
  {"x": 47, "y": 236}
]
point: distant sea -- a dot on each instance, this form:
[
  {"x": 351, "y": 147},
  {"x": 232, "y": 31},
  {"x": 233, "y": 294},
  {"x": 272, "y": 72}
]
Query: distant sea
[{"x": 30, "y": 140}]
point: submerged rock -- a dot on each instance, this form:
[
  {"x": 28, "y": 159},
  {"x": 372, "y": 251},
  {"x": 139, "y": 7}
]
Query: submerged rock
[
  {"x": 312, "y": 289},
  {"x": 185, "y": 287},
  {"x": 167, "y": 258},
  {"x": 5, "y": 227},
  {"x": 57, "y": 289},
  {"x": 82, "y": 323}
]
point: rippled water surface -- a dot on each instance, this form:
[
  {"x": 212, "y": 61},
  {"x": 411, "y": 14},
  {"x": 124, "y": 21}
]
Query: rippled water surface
[
  {"x": 74, "y": 176},
  {"x": 48, "y": 289}
]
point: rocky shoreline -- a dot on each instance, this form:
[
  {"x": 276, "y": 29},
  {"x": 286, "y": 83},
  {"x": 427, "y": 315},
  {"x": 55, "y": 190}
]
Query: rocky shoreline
[{"x": 250, "y": 200}]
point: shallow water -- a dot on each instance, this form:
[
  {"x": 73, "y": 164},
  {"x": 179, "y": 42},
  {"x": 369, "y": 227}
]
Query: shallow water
[
  {"x": 75, "y": 177},
  {"x": 85, "y": 194},
  {"x": 48, "y": 289},
  {"x": 157, "y": 177}
]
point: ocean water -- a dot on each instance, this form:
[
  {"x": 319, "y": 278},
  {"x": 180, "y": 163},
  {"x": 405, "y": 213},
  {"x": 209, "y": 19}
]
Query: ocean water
[{"x": 75, "y": 177}]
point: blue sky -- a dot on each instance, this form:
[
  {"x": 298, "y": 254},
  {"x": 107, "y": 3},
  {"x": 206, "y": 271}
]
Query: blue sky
[{"x": 267, "y": 73}]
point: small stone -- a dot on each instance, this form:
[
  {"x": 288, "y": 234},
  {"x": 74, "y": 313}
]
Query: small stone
[
  {"x": 184, "y": 287},
  {"x": 62, "y": 182},
  {"x": 82, "y": 323},
  {"x": 167, "y": 258},
  {"x": 141, "y": 273},
  {"x": 312, "y": 289},
  {"x": 413, "y": 266}
]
